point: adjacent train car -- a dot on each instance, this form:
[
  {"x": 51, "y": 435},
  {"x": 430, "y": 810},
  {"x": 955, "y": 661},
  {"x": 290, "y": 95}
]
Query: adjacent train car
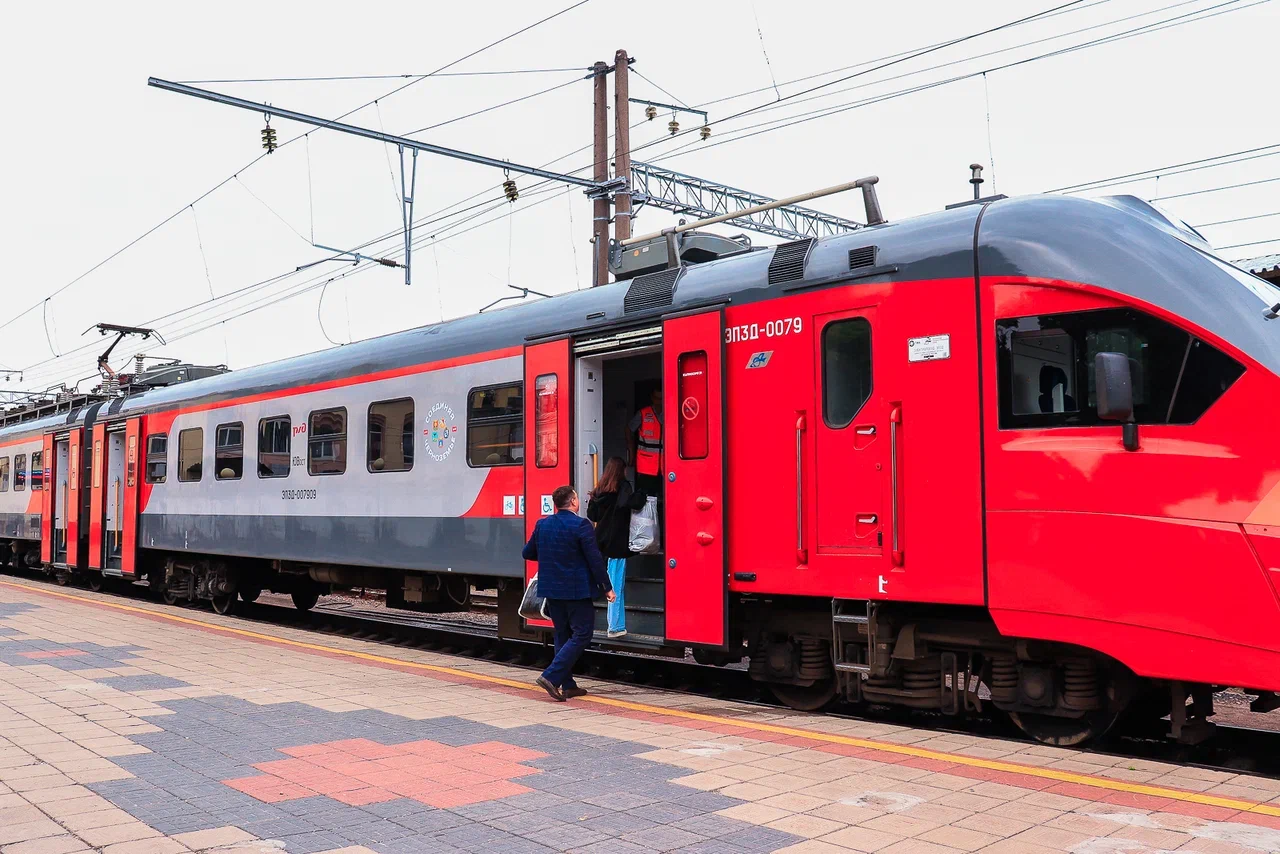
[{"x": 1010, "y": 444}]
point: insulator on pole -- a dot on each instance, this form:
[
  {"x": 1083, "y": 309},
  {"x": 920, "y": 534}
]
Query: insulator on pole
[
  {"x": 651, "y": 112},
  {"x": 673, "y": 126},
  {"x": 269, "y": 137},
  {"x": 509, "y": 187},
  {"x": 705, "y": 133}
]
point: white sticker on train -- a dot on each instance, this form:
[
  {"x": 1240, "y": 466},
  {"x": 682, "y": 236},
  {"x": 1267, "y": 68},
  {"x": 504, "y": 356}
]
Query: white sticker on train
[{"x": 929, "y": 348}]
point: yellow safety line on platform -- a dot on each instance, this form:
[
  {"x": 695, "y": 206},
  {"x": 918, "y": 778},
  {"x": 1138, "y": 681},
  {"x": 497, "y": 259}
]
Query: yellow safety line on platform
[{"x": 774, "y": 729}]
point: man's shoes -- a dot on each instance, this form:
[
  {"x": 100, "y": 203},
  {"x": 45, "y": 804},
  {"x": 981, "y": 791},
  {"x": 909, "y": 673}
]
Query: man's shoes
[
  {"x": 621, "y": 633},
  {"x": 575, "y": 691},
  {"x": 551, "y": 690}
]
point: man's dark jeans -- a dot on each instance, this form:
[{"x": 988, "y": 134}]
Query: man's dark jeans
[{"x": 575, "y": 621}]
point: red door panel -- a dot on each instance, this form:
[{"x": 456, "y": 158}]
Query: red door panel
[
  {"x": 547, "y": 425},
  {"x": 129, "y": 510},
  {"x": 74, "y": 465},
  {"x": 97, "y": 506},
  {"x": 47, "y": 500},
  {"x": 851, "y": 430},
  {"x": 694, "y": 542}
]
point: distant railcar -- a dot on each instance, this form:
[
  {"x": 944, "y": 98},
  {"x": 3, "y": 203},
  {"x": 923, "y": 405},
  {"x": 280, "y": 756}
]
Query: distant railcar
[{"x": 1020, "y": 442}]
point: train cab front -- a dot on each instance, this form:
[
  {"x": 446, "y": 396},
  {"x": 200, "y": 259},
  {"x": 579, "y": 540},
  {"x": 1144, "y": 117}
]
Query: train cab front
[{"x": 1132, "y": 478}]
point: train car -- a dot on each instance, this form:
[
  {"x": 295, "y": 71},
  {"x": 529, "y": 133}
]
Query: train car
[{"x": 1012, "y": 444}]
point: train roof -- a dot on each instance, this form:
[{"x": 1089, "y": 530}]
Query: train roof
[{"x": 1119, "y": 243}]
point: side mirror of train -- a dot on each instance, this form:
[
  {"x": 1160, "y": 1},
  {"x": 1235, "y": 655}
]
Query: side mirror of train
[{"x": 1114, "y": 383}]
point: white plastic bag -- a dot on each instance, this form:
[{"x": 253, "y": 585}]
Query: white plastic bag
[{"x": 644, "y": 536}]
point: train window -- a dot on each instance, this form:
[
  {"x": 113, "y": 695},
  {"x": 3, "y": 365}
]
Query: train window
[
  {"x": 327, "y": 442},
  {"x": 273, "y": 446},
  {"x": 157, "y": 457},
  {"x": 37, "y": 470},
  {"x": 228, "y": 451},
  {"x": 495, "y": 425},
  {"x": 1046, "y": 368},
  {"x": 19, "y": 472},
  {"x": 4, "y": 474},
  {"x": 846, "y": 369},
  {"x": 95, "y": 464},
  {"x": 390, "y": 446},
  {"x": 546, "y": 422},
  {"x": 190, "y": 454},
  {"x": 693, "y": 436}
]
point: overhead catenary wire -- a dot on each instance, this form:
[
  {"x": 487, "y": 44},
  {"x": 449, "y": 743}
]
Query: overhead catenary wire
[
  {"x": 803, "y": 118},
  {"x": 336, "y": 77},
  {"x": 257, "y": 159},
  {"x": 1215, "y": 189},
  {"x": 1173, "y": 169},
  {"x": 1236, "y": 219}
]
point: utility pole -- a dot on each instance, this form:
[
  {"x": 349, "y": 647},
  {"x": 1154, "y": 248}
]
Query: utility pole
[
  {"x": 600, "y": 209},
  {"x": 621, "y": 146}
]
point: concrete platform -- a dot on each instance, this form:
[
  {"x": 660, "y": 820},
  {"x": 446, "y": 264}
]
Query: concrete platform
[{"x": 134, "y": 728}]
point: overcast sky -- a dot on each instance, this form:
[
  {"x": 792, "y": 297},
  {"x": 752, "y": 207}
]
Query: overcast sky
[{"x": 93, "y": 158}]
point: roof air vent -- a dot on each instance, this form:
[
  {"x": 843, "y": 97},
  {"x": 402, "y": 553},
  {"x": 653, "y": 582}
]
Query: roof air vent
[
  {"x": 787, "y": 264},
  {"x": 864, "y": 256},
  {"x": 653, "y": 290}
]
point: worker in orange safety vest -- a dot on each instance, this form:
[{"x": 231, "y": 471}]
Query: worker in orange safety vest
[{"x": 644, "y": 438}]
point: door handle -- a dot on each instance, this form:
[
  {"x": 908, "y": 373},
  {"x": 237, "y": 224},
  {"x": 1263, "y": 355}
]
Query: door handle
[
  {"x": 705, "y": 539},
  {"x": 869, "y": 519},
  {"x": 869, "y": 430},
  {"x": 802, "y": 554}
]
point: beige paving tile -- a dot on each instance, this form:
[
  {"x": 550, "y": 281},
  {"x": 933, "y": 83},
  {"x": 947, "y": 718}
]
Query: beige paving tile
[
  {"x": 219, "y": 837},
  {"x": 99, "y": 837},
  {"x": 862, "y": 839},
  {"x": 960, "y": 838},
  {"x": 806, "y": 825},
  {"x": 158, "y": 845},
  {"x": 813, "y": 846},
  {"x": 28, "y": 830},
  {"x": 46, "y": 845},
  {"x": 754, "y": 813}
]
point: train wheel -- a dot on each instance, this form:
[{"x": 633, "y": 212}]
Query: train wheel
[
  {"x": 94, "y": 580},
  {"x": 305, "y": 600},
  {"x": 170, "y": 598},
  {"x": 805, "y": 698},
  {"x": 223, "y": 604},
  {"x": 250, "y": 594},
  {"x": 1064, "y": 732},
  {"x": 61, "y": 578}
]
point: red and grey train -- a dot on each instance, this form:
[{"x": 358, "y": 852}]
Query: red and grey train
[{"x": 1021, "y": 443}]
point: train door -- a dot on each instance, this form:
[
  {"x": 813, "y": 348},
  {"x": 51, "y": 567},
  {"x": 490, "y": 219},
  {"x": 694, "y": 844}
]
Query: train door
[
  {"x": 128, "y": 508},
  {"x": 853, "y": 425},
  {"x": 547, "y": 382},
  {"x": 48, "y": 463},
  {"x": 66, "y": 523},
  {"x": 693, "y": 449},
  {"x": 96, "y": 502},
  {"x": 106, "y": 503}
]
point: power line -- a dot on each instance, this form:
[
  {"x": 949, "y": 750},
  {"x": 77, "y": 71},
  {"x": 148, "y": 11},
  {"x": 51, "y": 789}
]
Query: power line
[
  {"x": 1168, "y": 171},
  {"x": 1236, "y": 219},
  {"x": 336, "y": 77},
  {"x": 803, "y": 118},
  {"x": 490, "y": 109},
  {"x": 1215, "y": 189},
  {"x": 1242, "y": 245},
  {"x": 235, "y": 174}
]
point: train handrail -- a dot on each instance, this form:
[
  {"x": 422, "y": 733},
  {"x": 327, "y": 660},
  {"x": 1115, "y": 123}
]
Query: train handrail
[
  {"x": 802, "y": 554},
  {"x": 897, "y": 554}
]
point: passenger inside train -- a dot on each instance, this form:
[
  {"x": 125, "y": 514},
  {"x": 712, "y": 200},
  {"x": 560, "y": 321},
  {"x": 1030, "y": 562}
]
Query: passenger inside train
[{"x": 617, "y": 390}]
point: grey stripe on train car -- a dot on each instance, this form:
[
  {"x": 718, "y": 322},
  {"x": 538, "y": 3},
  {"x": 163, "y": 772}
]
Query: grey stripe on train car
[
  {"x": 20, "y": 526},
  {"x": 475, "y": 546}
]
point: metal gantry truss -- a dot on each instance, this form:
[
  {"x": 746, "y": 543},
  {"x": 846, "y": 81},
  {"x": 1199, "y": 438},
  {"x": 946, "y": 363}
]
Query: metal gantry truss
[{"x": 680, "y": 193}]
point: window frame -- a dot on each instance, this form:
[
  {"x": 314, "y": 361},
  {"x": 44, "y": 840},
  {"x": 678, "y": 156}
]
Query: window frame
[
  {"x": 517, "y": 420},
  {"x": 181, "y": 470},
  {"x": 288, "y": 451},
  {"x": 555, "y": 422},
  {"x": 344, "y": 437},
  {"x": 688, "y": 387},
  {"x": 1142, "y": 326},
  {"x": 4, "y": 473},
  {"x": 156, "y": 457},
  {"x": 826, "y": 384},
  {"x": 37, "y": 485},
  {"x": 19, "y": 485},
  {"x": 217, "y": 435},
  {"x": 411, "y": 429}
]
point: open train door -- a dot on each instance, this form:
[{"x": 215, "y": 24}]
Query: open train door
[
  {"x": 97, "y": 504},
  {"x": 128, "y": 511},
  {"x": 69, "y": 494},
  {"x": 697, "y": 589},
  {"x": 547, "y": 457}
]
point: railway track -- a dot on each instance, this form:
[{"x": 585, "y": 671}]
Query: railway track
[{"x": 1235, "y": 748}]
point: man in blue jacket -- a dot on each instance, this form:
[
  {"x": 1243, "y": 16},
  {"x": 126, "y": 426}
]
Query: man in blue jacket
[{"x": 570, "y": 570}]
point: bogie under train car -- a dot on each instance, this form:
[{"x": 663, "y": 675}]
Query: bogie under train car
[{"x": 1013, "y": 444}]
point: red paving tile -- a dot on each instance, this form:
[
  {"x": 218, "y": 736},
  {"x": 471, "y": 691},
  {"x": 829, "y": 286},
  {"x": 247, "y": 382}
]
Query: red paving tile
[{"x": 359, "y": 772}]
